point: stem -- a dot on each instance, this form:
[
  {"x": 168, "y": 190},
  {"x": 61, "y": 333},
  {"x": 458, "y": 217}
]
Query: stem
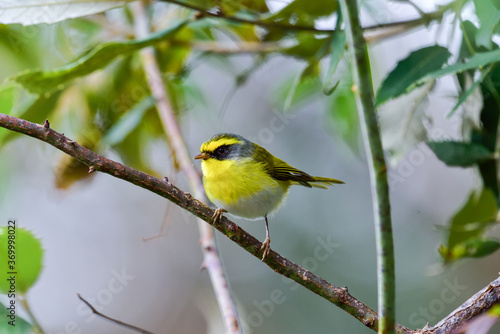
[
  {"x": 378, "y": 170},
  {"x": 36, "y": 325},
  {"x": 211, "y": 260}
]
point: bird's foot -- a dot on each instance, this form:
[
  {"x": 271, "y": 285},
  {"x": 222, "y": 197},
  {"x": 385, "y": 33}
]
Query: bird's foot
[
  {"x": 218, "y": 215},
  {"x": 266, "y": 248}
]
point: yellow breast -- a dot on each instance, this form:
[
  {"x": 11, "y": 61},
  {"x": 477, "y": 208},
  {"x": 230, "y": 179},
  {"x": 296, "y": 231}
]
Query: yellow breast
[{"x": 242, "y": 187}]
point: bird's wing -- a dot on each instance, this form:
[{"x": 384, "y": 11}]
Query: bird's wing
[{"x": 280, "y": 170}]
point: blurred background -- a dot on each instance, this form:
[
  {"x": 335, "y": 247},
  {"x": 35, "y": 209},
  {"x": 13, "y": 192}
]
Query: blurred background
[{"x": 136, "y": 257}]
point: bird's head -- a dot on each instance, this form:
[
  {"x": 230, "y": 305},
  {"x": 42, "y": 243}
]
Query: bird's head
[{"x": 226, "y": 146}]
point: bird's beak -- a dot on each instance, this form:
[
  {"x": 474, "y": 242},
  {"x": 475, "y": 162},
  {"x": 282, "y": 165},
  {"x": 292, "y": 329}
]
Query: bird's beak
[{"x": 203, "y": 156}]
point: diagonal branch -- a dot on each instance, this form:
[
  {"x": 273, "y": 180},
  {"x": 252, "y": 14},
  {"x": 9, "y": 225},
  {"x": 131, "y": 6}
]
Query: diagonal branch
[
  {"x": 474, "y": 306},
  {"x": 337, "y": 295}
]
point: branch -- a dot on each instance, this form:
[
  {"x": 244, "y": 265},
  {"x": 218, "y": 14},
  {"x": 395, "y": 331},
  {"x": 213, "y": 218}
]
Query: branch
[
  {"x": 378, "y": 170},
  {"x": 336, "y": 295},
  {"x": 118, "y": 322},
  {"x": 211, "y": 260},
  {"x": 474, "y": 306},
  {"x": 217, "y": 13}
]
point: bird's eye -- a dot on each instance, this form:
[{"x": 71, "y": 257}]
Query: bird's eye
[{"x": 221, "y": 151}]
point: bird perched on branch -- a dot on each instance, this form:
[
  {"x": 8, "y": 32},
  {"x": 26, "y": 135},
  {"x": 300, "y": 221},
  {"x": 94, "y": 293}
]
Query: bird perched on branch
[{"x": 244, "y": 179}]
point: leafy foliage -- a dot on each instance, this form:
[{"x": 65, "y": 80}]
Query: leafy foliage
[
  {"x": 25, "y": 250},
  {"x": 467, "y": 226},
  {"x": 460, "y": 154},
  {"x": 409, "y": 72}
]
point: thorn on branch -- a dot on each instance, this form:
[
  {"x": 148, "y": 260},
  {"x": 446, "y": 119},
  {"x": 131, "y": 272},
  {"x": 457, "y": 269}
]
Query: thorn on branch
[
  {"x": 91, "y": 169},
  {"x": 203, "y": 266},
  {"x": 199, "y": 15},
  {"x": 370, "y": 322},
  {"x": 165, "y": 179},
  {"x": 46, "y": 124},
  {"x": 71, "y": 142}
]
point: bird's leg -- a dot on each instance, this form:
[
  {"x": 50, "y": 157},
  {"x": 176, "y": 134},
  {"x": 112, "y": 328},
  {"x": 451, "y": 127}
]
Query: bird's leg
[
  {"x": 218, "y": 215},
  {"x": 266, "y": 245}
]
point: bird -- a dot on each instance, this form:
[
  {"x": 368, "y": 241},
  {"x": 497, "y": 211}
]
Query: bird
[{"x": 245, "y": 180}]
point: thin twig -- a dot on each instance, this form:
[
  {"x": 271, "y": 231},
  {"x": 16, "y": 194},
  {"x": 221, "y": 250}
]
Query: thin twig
[
  {"x": 217, "y": 13},
  {"x": 211, "y": 260},
  {"x": 116, "y": 321},
  {"x": 337, "y": 295},
  {"x": 377, "y": 166}
]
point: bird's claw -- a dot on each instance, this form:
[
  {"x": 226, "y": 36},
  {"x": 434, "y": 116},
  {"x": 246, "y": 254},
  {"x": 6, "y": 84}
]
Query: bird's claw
[
  {"x": 218, "y": 215},
  {"x": 266, "y": 248}
]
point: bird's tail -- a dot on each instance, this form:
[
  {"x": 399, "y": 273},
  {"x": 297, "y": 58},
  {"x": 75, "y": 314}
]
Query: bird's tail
[{"x": 319, "y": 182}]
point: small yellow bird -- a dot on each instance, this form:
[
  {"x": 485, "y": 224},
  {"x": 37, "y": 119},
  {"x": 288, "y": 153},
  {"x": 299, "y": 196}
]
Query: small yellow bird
[{"x": 244, "y": 179}]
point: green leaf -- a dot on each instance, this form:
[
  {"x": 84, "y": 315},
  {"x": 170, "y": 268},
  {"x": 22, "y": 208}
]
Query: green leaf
[
  {"x": 128, "y": 122},
  {"x": 304, "y": 12},
  {"x": 32, "y": 108},
  {"x": 39, "y": 81},
  {"x": 472, "y": 90},
  {"x": 489, "y": 17},
  {"x": 302, "y": 87},
  {"x": 469, "y": 222},
  {"x": 21, "y": 325},
  {"x": 342, "y": 114},
  {"x": 307, "y": 47},
  {"x": 410, "y": 70},
  {"x": 28, "y": 12},
  {"x": 337, "y": 51},
  {"x": 21, "y": 246},
  {"x": 460, "y": 154},
  {"x": 467, "y": 226},
  {"x": 479, "y": 60},
  {"x": 471, "y": 248}
]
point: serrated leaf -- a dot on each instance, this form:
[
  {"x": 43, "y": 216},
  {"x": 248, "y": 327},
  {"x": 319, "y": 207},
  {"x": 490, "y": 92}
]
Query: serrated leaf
[
  {"x": 39, "y": 81},
  {"x": 460, "y": 154},
  {"x": 409, "y": 71},
  {"x": 28, "y": 12},
  {"x": 478, "y": 60},
  {"x": 22, "y": 247},
  {"x": 21, "y": 325}
]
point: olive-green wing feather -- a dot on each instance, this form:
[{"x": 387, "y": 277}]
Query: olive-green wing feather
[{"x": 280, "y": 170}]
